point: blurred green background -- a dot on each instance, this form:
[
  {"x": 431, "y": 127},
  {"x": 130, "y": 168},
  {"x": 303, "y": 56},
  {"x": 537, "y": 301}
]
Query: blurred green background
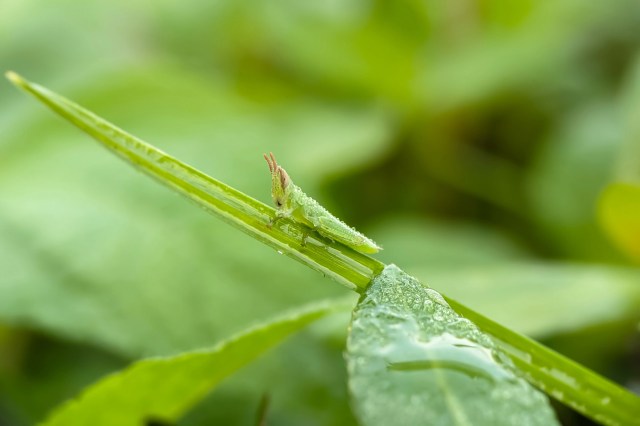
[{"x": 472, "y": 139}]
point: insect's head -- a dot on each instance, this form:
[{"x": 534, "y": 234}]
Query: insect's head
[{"x": 280, "y": 183}]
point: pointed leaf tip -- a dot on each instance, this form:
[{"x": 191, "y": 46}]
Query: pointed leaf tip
[{"x": 13, "y": 77}]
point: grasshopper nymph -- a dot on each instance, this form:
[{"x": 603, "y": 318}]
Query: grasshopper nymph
[{"x": 292, "y": 202}]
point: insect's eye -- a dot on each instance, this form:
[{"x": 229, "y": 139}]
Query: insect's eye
[{"x": 278, "y": 203}]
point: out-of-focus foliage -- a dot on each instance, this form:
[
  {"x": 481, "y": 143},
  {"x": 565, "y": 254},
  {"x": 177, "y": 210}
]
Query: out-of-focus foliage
[
  {"x": 495, "y": 126},
  {"x": 620, "y": 213},
  {"x": 180, "y": 381},
  {"x": 620, "y": 201}
]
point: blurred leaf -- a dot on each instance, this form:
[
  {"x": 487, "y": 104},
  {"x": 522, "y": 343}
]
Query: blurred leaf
[
  {"x": 221, "y": 129},
  {"x": 619, "y": 207},
  {"x": 439, "y": 245},
  {"x": 620, "y": 216},
  {"x": 49, "y": 371},
  {"x": 162, "y": 389},
  {"x": 305, "y": 378},
  {"x": 543, "y": 299},
  {"x": 413, "y": 360},
  {"x": 567, "y": 178},
  {"x": 411, "y": 54},
  {"x": 628, "y": 169},
  {"x": 99, "y": 45}
]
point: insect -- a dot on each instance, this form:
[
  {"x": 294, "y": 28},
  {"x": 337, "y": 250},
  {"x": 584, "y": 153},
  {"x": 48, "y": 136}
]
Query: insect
[{"x": 292, "y": 202}]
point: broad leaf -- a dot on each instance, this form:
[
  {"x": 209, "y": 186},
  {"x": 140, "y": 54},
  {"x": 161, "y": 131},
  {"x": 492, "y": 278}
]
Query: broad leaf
[{"x": 413, "y": 360}]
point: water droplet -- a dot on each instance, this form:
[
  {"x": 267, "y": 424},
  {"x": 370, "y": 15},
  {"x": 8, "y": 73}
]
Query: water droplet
[
  {"x": 280, "y": 252},
  {"x": 447, "y": 352}
]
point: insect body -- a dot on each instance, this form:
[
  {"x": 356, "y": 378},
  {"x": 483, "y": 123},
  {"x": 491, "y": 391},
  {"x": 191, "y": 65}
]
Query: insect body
[{"x": 292, "y": 202}]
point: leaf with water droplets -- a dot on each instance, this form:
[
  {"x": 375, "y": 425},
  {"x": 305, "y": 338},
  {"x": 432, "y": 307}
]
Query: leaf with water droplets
[{"x": 412, "y": 360}]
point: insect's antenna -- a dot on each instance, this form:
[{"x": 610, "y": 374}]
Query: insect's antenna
[
  {"x": 273, "y": 159},
  {"x": 271, "y": 167}
]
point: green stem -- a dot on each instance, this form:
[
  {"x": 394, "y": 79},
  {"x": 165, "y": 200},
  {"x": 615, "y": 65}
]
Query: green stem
[{"x": 558, "y": 376}]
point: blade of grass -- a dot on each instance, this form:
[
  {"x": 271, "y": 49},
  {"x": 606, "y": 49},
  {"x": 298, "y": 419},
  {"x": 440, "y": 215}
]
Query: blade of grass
[
  {"x": 563, "y": 379},
  {"x": 347, "y": 266}
]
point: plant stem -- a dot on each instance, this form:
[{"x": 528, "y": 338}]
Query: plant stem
[{"x": 558, "y": 376}]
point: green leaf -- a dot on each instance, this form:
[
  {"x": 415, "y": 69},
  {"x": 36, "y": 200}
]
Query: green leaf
[
  {"x": 413, "y": 360},
  {"x": 619, "y": 213},
  {"x": 439, "y": 246},
  {"x": 628, "y": 169},
  {"x": 38, "y": 383},
  {"x": 164, "y": 389},
  {"x": 619, "y": 203},
  {"x": 567, "y": 177},
  {"x": 393, "y": 51}
]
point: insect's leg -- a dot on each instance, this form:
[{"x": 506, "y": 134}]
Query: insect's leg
[
  {"x": 305, "y": 235},
  {"x": 309, "y": 231},
  {"x": 274, "y": 220}
]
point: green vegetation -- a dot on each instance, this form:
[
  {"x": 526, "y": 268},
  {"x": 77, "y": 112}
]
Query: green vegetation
[{"x": 491, "y": 149}]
